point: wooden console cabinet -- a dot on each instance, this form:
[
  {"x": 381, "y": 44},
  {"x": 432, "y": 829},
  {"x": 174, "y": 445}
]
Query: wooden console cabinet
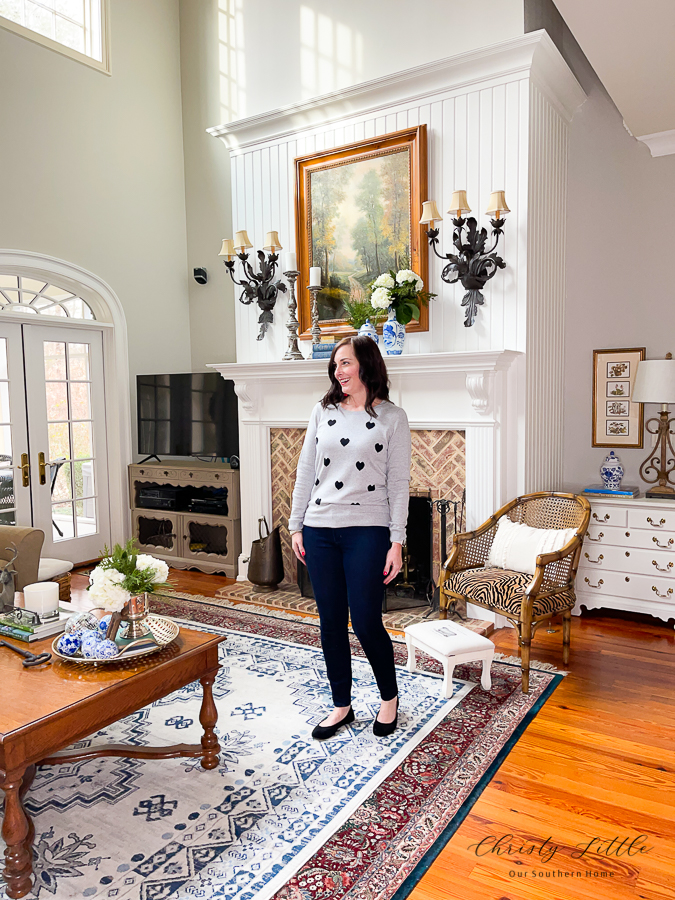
[
  {"x": 628, "y": 557},
  {"x": 185, "y": 539}
]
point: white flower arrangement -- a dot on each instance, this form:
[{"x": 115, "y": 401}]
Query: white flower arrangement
[
  {"x": 384, "y": 281},
  {"x": 122, "y": 573},
  {"x": 402, "y": 292},
  {"x": 405, "y": 275},
  {"x": 381, "y": 297}
]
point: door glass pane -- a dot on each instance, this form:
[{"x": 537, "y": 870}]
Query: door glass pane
[
  {"x": 62, "y": 521},
  {"x": 7, "y": 501},
  {"x": 57, "y": 401},
  {"x": 82, "y": 440},
  {"x": 83, "y": 473},
  {"x": 3, "y": 358},
  {"x": 4, "y": 402},
  {"x": 79, "y": 400},
  {"x": 59, "y": 441},
  {"x": 61, "y": 487},
  {"x": 78, "y": 358},
  {"x": 55, "y": 361},
  {"x": 5, "y": 444},
  {"x": 86, "y": 516}
]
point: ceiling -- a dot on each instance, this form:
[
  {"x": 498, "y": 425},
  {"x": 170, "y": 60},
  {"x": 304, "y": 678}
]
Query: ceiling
[{"x": 631, "y": 46}]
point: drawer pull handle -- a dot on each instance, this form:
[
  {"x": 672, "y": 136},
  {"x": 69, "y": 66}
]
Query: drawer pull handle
[
  {"x": 605, "y": 518},
  {"x": 658, "y": 567},
  {"x": 663, "y": 596},
  {"x": 598, "y": 538},
  {"x": 656, "y": 524},
  {"x": 662, "y": 546},
  {"x": 600, "y": 582},
  {"x": 599, "y": 559}
]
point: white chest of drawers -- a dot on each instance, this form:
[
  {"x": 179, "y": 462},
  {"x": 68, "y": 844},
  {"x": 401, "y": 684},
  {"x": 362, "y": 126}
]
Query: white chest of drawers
[{"x": 628, "y": 557}]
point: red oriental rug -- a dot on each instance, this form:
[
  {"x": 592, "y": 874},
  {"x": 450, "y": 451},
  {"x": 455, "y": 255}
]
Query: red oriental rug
[{"x": 382, "y": 851}]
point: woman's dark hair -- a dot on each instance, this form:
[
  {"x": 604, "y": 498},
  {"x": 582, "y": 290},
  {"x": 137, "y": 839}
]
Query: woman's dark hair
[{"x": 372, "y": 372}]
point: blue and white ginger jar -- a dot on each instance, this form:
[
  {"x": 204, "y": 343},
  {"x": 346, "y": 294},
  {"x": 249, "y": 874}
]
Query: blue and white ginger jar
[
  {"x": 611, "y": 472},
  {"x": 369, "y": 330},
  {"x": 393, "y": 335}
]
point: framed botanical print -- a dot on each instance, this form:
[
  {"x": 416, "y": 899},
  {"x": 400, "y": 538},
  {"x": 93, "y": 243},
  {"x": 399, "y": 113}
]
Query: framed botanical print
[
  {"x": 357, "y": 216},
  {"x": 618, "y": 421}
]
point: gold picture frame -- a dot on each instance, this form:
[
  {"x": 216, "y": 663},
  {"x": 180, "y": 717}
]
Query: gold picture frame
[
  {"x": 399, "y": 160},
  {"x": 618, "y": 421}
]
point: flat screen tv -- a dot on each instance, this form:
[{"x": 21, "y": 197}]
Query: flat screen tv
[{"x": 187, "y": 415}]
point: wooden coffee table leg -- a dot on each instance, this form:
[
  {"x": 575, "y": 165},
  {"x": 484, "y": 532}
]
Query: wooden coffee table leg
[
  {"x": 208, "y": 716},
  {"x": 16, "y": 829},
  {"x": 26, "y": 783}
]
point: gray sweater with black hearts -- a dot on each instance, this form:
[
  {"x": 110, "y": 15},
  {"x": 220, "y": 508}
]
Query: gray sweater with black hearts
[{"x": 354, "y": 470}]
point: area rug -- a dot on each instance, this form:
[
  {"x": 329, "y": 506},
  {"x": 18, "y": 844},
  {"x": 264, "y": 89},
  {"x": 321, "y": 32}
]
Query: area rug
[{"x": 282, "y": 816}]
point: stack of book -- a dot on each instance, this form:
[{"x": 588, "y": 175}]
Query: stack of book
[
  {"x": 324, "y": 349},
  {"x": 24, "y": 631},
  {"x": 599, "y": 490}
]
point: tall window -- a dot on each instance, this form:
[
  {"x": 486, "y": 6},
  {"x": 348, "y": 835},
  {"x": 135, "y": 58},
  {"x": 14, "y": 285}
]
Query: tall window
[
  {"x": 67, "y": 25},
  {"x": 22, "y": 295}
]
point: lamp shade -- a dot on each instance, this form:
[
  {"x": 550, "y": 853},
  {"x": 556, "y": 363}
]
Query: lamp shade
[
  {"x": 430, "y": 213},
  {"x": 655, "y": 381},
  {"x": 241, "y": 241},
  {"x": 227, "y": 249},
  {"x": 497, "y": 206},
  {"x": 459, "y": 204},
  {"x": 272, "y": 242}
]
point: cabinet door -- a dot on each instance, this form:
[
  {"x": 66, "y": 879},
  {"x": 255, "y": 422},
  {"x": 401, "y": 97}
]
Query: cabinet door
[
  {"x": 211, "y": 539},
  {"x": 157, "y": 532}
]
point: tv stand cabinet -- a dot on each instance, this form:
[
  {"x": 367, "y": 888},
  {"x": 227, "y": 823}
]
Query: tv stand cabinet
[{"x": 187, "y": 538}]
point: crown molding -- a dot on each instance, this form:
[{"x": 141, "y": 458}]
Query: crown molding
[
  {"x": 661, "y": 143},
  {"x": 532, "y": 55}
]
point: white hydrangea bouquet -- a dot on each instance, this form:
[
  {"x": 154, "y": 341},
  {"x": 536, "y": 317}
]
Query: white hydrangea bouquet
[
  {"x": 123, "y": 573},
  {"x": 401, "y": 291}
]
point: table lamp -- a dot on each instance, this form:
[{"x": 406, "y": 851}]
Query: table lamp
[{"x": 655, "y": 383}]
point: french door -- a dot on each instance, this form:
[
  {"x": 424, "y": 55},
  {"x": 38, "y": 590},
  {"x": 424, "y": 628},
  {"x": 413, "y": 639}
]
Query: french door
[{"x": 53, "y": 455}]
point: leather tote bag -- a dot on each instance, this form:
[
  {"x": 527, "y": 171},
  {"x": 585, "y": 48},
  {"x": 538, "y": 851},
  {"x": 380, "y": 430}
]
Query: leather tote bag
[{"x": 266, "y": 564}]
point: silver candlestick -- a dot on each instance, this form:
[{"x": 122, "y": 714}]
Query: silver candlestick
[
  {"x": 293, "y": 351},
  {"x": 316, "y": 331}
]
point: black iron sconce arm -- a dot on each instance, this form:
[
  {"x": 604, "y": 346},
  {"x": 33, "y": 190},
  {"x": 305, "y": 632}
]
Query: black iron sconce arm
[{"x": 259, "y": 286}]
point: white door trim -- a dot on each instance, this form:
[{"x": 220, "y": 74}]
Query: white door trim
[{"x": 107, "y": 308}]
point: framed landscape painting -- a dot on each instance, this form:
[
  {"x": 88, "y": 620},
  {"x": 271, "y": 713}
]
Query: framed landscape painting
[
  {"x": 618, "y": 421},
  {"x": 357, "y": 216}
]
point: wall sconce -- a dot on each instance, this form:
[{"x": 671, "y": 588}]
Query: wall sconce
[
  {"x": 655, "y": 383},
  {"x": 473, "y": 265},
  {"x": 256, "y": 286}
]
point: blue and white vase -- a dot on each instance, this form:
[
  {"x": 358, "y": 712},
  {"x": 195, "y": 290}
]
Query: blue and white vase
[
  {"x": 369, "y": 330},
  {"x": 393, "y": 335},
  {"x": 611, "y": 472}
]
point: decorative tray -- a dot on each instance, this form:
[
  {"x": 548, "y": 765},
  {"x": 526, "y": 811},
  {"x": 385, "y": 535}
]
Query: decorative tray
[{"x": 161, "y": 631}]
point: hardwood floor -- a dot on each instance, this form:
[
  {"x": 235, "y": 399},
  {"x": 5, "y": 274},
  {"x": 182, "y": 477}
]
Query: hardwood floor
[{"x": 596, "y": 764}]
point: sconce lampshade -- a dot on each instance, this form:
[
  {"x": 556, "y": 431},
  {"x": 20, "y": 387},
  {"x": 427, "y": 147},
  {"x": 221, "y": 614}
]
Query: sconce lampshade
[
  {"x": 459, "y": 204},
  {"x": 227, "y": 249},
  {"x": 497, "y": 206},
  {"x": 241, "y": 241},
  {"x": 655, "y": 381},
  {"x": 430, "y": 213},
  {"x": 272, "y": 242}
]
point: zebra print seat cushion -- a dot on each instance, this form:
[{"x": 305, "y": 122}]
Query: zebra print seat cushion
[{"x": 502, "y": 590}]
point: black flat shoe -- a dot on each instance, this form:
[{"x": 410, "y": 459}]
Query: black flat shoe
[
  {"x": 321, "y": 732},
  {"x": 384, "y": 729}
]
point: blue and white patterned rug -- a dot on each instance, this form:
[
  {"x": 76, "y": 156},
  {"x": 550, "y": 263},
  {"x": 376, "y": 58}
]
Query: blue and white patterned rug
[{"x": 149, "y": 830}]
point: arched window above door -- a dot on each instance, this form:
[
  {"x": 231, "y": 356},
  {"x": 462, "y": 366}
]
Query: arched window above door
[{"x": 20, "y": 294}]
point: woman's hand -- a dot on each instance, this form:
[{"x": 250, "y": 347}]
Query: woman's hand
[
  {"x": 394, "y": 562},
  {"x": 298, "y": 546}
]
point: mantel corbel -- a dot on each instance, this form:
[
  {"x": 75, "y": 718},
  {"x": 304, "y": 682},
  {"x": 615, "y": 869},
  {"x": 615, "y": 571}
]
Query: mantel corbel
[
  {"x": 248, "y": 394},
  {"x": 480, "y": 385}
]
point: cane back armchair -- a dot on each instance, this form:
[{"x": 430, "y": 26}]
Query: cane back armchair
[{"x": 526, "y": 600}]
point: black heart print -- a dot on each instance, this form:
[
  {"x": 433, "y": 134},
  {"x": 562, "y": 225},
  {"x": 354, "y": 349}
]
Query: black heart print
[
  {"x": 370, "y": 424},
  {"x": 316, "y": 440},
  {"x": 316, "y": 482},
  {"x": 371, "y": 487},
  {"x": 318, "y": 501},
  {"x": 360, "y": 465},
  {"x": 356, "y": 504},
  {"x": 339, "y": 485},
  {"x": 332, "y": 421},
  {"x": 379, "y": 448},
  {"x": 344, "y": 441},
  {"x": 326, "y": 461}
]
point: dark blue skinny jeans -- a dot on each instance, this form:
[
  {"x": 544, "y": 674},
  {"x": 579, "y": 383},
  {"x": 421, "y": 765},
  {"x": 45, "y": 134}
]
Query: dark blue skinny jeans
[{"x": 346, "y": 567}]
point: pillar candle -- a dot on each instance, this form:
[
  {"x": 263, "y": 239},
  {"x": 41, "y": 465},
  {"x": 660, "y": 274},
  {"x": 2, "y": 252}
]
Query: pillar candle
[
  {"x": 42, "y": 598},
  {"x": 291, "y": 263},
  {"x": 315, "y": 276}
]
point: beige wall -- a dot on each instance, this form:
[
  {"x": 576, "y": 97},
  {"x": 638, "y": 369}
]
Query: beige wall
[
  {"x": 207, "y": 185},
  {"x": 91, "y": 171}
]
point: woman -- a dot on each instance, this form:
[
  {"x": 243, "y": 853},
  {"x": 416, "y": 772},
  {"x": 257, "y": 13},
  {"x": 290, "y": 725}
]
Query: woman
[{"x": 350, "y": 507}]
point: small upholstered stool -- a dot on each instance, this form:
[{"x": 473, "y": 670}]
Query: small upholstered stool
[{"x": 450, "y": 644}]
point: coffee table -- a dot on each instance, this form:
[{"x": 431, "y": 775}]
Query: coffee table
[{"x": 46, "y": 709}]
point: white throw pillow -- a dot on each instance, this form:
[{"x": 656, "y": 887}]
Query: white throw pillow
[{"x": 517, "y": 547}]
